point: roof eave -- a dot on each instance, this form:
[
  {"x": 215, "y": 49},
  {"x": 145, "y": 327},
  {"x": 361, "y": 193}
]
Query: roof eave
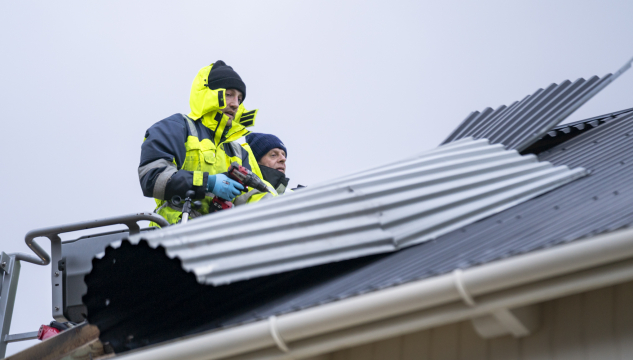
[{"x": 538, "y": 276}]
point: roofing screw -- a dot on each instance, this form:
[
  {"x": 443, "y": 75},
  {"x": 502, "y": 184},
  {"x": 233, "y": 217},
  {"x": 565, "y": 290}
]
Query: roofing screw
[
  {"x": 56, "y": 273},
  {"x": 4, "y": 264},
  {"x": 107, "y": 348}
]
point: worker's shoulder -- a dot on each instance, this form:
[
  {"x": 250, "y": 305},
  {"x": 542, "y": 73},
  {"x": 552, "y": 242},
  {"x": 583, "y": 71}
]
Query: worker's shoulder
[
  {"x": 244, "y": 144},
  {"x": 176, "y": 121}
]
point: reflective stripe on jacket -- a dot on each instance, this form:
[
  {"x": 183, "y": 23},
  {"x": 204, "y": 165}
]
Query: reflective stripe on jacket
[{"x": 179, "y": 152}]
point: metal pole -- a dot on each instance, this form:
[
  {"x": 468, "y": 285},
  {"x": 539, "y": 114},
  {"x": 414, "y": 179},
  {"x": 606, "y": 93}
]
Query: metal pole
[{"x": 10, "y": 268}]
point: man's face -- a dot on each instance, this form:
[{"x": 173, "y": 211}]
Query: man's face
[
  {"x": 276, "y": 159},
  {"x": 233, "y": 100}
]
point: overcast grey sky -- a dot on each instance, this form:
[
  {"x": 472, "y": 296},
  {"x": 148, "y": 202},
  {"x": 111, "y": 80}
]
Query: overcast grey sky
[{"x": 347, "y": 85}]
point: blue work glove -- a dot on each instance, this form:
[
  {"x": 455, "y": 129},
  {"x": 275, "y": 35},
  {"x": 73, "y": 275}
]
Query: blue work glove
[{"x": 224, "y": 187}]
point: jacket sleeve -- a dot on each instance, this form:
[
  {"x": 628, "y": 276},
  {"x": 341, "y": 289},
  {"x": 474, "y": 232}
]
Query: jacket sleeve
[
  {"x": 254, "y": 195},
  {"x": 162, "y": 155}
]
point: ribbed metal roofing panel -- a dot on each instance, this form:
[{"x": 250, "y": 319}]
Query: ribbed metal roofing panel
[
  {"x": 522, "y": 123},
  {"x": 372, "y": 212},
  {"x": 565, "y": 132},
  {"x": 598, "y": 203}
]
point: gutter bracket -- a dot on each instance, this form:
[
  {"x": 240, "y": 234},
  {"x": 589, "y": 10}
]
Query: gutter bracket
[
  {"x": 517, "y": 322},
  {"x": 461, "y": 288},
  {"x": 274, "y": 332}
]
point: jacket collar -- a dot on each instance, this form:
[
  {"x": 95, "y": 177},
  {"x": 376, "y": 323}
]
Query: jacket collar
[
  {"x": 216, "y": 121},
  {"x": 276, "y": 178}
]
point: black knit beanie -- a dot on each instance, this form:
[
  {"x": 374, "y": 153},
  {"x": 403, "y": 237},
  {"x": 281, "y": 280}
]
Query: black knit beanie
[
  {"x": 223, "y": 76},
  {"x": 261, "y": 144}
]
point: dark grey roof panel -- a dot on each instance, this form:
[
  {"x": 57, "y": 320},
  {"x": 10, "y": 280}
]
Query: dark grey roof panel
[
  {"x": 565, "y": 132},
  {"x": 524, "y": 122},
  {"x": 595, "y": 204}
]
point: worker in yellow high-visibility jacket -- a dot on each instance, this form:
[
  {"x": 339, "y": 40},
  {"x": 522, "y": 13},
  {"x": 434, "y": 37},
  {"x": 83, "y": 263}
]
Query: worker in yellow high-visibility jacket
[{"x": 191, "y": 152}]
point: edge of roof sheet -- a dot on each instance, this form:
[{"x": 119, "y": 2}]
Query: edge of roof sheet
[
  {"x": 523, "y": 122},
  {"x": 565, "y": 132},
  {"x": 375, "y": 211},
  {"x": 608, "y": 116},
  {"x": 588, "y": 264}
]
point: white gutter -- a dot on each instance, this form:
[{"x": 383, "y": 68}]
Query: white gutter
[
  {"x": 447, "y": 314},
  {"x": 431, "y": 302}
]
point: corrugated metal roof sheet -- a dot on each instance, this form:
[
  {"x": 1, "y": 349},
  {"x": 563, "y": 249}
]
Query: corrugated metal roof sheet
[
  {"x": 379, "y": 211},
  {"x": 523, "y": 122},
  {"x": 598, "y": 203},
  {"x": 126, "y": 308}
]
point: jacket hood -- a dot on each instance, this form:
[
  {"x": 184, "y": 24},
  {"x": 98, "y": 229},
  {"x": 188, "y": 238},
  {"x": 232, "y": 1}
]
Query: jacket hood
[
  {"x": 202, "y": 100},
  {"x": 206, "y": 103}
]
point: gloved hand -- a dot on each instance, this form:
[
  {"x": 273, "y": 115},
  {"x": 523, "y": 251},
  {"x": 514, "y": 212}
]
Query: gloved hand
[{"x": 224, "y": 187}]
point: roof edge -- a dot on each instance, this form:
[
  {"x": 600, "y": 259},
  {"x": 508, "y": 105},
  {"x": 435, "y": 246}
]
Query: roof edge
[
  {"x": 566, "y": 132},
  {"x": 589, "y": 263}
]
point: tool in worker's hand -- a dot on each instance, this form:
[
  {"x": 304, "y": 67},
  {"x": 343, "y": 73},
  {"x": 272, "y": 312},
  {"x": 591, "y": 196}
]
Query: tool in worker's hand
[
  {"x": 243, "y": 176},
  {"x": 246, "y": 177},
  {"x": 186, "y": 206}
]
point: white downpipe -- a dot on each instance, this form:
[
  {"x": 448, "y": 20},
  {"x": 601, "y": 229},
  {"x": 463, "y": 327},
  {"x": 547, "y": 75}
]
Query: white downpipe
[{"x": 389, "y": 304}]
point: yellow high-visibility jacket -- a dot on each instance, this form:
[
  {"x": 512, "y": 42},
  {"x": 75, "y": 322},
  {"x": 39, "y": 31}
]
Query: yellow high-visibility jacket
[{"x": 181, "y": 151}]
